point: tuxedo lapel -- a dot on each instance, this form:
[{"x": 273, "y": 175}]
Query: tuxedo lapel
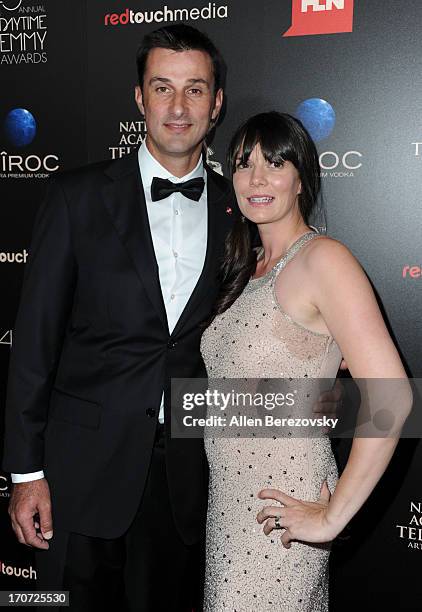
[
  {"x": 125, "y": 202},
  {"x": 217, "y": 192}
]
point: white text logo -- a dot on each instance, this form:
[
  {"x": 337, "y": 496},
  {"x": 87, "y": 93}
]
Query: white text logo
[
  {"x": 339, "y": 166},
  {"x": 318, "y": 6},
  {"x": 19, "y": 572},
  {"x": 14, "y": 257}
]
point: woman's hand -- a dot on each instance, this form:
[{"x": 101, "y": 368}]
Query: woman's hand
[{"x": 301, "y": 520}]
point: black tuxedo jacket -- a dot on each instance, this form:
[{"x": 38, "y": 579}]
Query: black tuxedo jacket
[{"x": 92, "y": 353}]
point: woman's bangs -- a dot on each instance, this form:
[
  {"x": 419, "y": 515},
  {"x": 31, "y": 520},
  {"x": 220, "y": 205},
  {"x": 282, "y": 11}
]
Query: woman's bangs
[{"x": 272, "y": 140}]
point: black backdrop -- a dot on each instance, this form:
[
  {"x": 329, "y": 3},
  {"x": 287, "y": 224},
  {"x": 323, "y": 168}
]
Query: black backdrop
[{"x": 67, "y": 64}]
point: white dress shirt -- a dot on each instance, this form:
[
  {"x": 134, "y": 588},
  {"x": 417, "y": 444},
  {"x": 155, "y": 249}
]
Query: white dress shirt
[{"x": 179, "y": 235}]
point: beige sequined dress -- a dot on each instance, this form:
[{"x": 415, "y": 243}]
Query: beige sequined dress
[{"x": 245, "y": 570}]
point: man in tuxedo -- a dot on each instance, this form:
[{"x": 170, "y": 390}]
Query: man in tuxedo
[{"x": 123, "y": 270}]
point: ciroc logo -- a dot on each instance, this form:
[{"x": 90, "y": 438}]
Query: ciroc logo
[
  {"x": 319, "y": 118},
  {"x": 4, "y": 486},
  {"x": 20, "y": 129}
]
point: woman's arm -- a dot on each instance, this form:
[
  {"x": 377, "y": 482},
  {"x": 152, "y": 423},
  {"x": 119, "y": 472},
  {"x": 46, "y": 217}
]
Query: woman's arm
[
  {"x": 345, "y": 299},
  {"x": 343, "y": 295}
]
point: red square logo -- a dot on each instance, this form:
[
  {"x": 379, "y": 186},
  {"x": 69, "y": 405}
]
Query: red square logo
[{"x": 311, "y": 17}]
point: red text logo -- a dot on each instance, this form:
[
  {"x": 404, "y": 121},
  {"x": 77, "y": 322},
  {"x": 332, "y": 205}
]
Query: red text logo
[
  {"x": 321, "y": 17},
  {"x": 412, "y": 271}
]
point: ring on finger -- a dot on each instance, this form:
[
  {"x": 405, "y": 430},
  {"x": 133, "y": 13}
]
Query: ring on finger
[{"x": 277, "y": 523}]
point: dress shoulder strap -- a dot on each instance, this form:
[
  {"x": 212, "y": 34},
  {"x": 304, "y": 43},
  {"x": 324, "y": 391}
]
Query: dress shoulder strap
[{"x": 294, "y": 249}]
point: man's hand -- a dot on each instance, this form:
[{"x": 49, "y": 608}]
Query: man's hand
[{"x": 28, "y": 500}]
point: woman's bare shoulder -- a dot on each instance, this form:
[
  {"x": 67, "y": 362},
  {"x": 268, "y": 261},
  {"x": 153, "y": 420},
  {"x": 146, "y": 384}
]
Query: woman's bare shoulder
[{"x": 326, "y": 252}]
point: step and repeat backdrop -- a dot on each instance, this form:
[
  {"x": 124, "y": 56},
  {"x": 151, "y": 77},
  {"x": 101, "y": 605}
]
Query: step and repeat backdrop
[{"x": 351, "y": 71}]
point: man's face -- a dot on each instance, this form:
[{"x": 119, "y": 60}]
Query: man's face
[{"x": 177, "y": 101}]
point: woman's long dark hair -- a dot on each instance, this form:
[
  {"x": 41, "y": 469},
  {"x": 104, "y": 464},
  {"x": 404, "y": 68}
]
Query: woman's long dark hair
[{"x": 281, "y": 138}]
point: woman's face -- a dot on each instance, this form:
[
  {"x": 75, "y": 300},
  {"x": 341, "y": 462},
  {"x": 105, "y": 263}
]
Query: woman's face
[{"x": 266, "y": 192}]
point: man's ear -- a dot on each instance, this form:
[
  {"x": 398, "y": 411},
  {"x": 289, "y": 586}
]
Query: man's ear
[
  {"x": 139, "y": 99},
  {"x": 217, "y": 105}
]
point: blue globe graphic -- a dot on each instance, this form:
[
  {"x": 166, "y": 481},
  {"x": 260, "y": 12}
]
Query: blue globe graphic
[
  {"x": 20, "y": 127},
  {"x": 318, "y": 117}
]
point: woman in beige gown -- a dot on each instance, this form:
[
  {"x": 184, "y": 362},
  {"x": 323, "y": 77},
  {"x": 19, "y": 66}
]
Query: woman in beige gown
[{"x": 288, "y": 310}]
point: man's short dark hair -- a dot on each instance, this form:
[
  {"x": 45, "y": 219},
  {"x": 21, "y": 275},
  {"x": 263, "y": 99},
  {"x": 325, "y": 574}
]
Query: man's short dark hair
[{"x": 180, "y": 37}]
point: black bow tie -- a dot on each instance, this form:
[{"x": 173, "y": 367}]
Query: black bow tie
[{"x": 162, "y": 188}]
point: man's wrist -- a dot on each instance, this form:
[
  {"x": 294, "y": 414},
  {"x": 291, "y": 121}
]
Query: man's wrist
[{"x": 27, "y": 477}]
